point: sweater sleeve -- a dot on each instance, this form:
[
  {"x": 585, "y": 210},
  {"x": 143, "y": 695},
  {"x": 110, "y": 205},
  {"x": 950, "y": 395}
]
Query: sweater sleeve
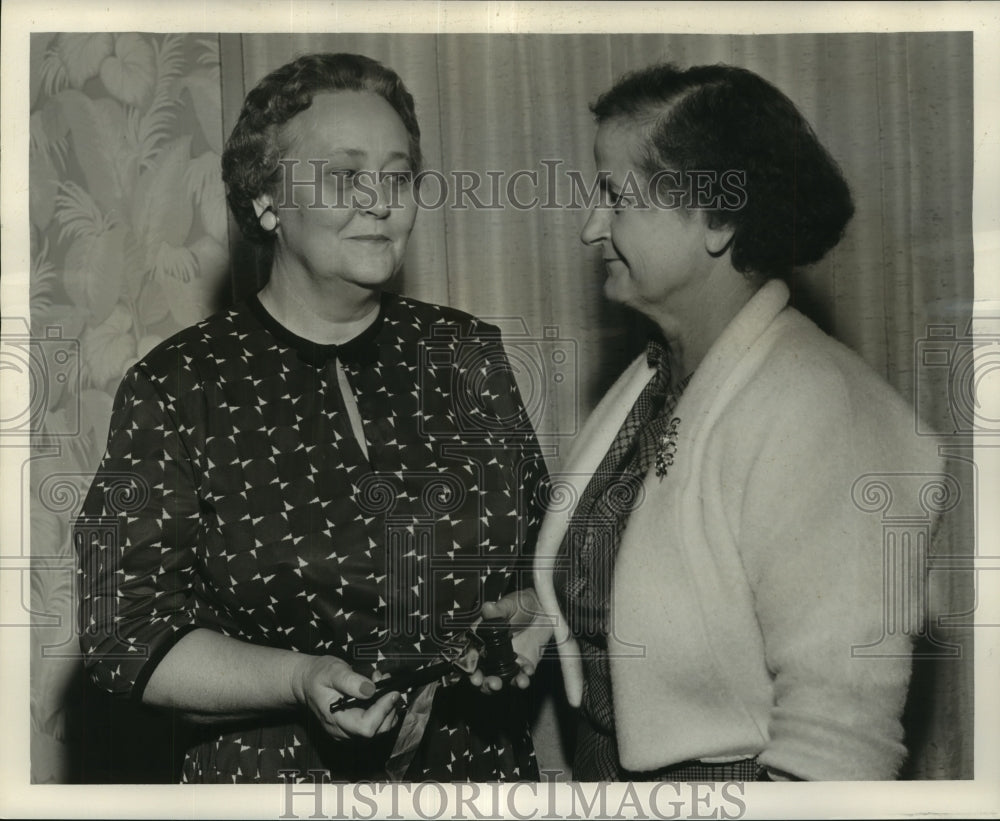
[
  {"x": 135, "y": 540},
  {"x": 817, "y": 564}
]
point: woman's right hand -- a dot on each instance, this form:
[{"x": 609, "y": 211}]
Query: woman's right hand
[
  {"x": 320, "y": 681},
  {"x": 532, "y": 630}
]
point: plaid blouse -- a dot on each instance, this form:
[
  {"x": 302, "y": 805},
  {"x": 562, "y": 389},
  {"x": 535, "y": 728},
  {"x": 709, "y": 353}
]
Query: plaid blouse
[{"x": 585, "y": 573}]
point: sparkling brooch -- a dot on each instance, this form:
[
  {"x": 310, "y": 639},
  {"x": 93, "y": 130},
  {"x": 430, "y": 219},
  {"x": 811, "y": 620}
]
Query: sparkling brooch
[{"x": 667, "y": 448}]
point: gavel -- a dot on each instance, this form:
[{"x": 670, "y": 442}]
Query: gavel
[{"x": 496, "y": 658}]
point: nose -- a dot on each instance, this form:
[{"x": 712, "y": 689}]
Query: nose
[
  {"x": 379, "y": 207},
  {"x": 378, "y": 197},
  {"x": 595, "y": 229}
]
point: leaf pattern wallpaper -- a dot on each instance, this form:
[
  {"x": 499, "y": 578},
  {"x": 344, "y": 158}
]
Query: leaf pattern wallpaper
[{"x": 128, "y": 245}]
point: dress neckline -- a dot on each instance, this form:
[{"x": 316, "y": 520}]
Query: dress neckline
[{"x": 360, "y": 350}]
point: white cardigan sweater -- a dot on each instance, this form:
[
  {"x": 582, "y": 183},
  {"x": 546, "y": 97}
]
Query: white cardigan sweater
[{"x": 747, "y": 574}]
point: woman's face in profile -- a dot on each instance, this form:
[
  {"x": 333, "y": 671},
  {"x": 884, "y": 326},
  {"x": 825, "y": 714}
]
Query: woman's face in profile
[
  {"x": 652, "y": 253},
  {"x": 350, "y": 213}
]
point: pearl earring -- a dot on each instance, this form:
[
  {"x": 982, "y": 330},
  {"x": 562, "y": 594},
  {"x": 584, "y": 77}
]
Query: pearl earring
[{"x": 269, "y": 220}]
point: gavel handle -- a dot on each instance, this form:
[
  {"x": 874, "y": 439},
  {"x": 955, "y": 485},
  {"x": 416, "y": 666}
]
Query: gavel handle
[{"x": 401, "y": 682}]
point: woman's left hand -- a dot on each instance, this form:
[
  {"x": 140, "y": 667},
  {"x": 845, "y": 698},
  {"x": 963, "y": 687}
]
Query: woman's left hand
[{"x": 531, "y": 632}]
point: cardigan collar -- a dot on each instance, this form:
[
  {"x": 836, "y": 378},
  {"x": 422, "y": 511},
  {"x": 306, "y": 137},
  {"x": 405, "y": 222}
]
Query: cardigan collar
[
  {"x": 709, "y": 378},
  {"x": 735, "y": 341}
]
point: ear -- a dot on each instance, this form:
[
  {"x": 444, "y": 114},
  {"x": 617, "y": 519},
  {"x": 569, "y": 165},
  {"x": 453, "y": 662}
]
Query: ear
[
  {"x": 262, "y": 203},
  {"x": 718, "y": 237}
]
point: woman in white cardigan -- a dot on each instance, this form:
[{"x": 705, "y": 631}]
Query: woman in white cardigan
[{"x": 715, "y": 582}]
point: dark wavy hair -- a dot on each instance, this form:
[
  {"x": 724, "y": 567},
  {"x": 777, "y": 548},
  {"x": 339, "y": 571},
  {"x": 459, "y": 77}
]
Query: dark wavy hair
[
  {"x": 720, "y": 118},
  {"x": 250, "y": 161}
]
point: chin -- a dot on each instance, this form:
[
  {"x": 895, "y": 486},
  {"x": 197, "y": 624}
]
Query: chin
[
  {"x": 374, "y": 278},
  {"x": 613, "y": 291}
]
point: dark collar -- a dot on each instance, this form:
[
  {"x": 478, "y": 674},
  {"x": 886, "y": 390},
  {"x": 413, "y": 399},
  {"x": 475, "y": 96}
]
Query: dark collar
[
  {"x": 658, "y": 355},
  {"x": 361, "y": 350},
  {"x": 658, "y": 358}
]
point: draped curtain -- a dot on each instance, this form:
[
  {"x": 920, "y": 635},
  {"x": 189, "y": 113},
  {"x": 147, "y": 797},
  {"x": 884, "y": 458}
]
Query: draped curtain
[{"x": 896, "y": 112}]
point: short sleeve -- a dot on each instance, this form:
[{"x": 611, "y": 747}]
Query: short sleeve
[
  {"x": 135, "y": 540},
  {"x": 494, "y": 389}
]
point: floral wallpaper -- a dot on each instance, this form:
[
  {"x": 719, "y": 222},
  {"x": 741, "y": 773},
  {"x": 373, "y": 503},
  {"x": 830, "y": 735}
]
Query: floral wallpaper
[{"x": 128, "y": 245}]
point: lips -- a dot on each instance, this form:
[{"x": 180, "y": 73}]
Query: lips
[{"x": 371, "y": 238}]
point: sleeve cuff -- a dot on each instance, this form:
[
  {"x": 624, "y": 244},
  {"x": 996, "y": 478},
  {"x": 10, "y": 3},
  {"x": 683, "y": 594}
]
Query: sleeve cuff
[
  {"x": 155, "y": 657},
  {"x": 815, "y": 748}
]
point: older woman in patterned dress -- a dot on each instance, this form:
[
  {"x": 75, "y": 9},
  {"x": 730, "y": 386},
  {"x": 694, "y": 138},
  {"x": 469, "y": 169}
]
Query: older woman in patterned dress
[{"x": 331, "y": 488}]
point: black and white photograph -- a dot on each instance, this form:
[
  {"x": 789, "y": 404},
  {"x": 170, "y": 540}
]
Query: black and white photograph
[{"x": 500, "y": 410}]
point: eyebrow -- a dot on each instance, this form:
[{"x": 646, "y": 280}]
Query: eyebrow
[{"x": 361, "y": 154}]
